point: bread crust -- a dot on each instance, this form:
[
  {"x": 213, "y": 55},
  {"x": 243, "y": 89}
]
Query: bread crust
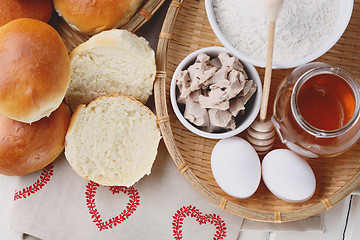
[
  {"x": 112, "y": 38},
  {"x": 14, "y": 9},
  {"x": 91, "y": 17},
  {"x": 25, "y": 148},
  {"x": 35, "y": 70}
]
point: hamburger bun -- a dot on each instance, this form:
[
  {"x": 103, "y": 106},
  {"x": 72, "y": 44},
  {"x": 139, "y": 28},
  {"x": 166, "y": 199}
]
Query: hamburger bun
[
  {"x": 111, "y": 62},
  {"x": 94, "y": 16},
  {"x": 25, "y": 148},
  {"x": 35, "y": 70},
  {"x": 112, "y": 141},
  {"x": 14, "y": 9}
]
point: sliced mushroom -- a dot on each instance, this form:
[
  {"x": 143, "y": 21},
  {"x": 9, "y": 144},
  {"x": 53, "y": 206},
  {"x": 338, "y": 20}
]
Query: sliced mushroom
[
  {"x": 242, "y": 78},
  {"x": 183, "y": 83},
  {"x": 203, "y": 59},
  {"x": 222, "y": 84},
  {"x": 236, "y": 105},
  {"x": 219, "y": 118},
  {"x": 196, "y": 114},
  {"x": 231, "y": 125},
  {"x": 250, "y": 92},
  {"x": 216, "y": 99},
  {"x": 239, "y": 67},
  {"x": 194, "y": 96},
  {"x": 236, "y": 85},
  {"x": 200, "y": 71},
  {"x": 228, "y": 62},
  {"x": 221, "y": 74},
  {"x": 215, "y": 62}
]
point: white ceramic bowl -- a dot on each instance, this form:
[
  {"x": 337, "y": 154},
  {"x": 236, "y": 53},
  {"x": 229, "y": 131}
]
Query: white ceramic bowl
[
  {"x": 251, "y": 108},
  {"x": 345, "y": 11}
]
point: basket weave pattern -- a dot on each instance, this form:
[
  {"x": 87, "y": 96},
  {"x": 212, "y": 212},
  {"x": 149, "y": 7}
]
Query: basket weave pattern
[{"x": 187, "y": 29}]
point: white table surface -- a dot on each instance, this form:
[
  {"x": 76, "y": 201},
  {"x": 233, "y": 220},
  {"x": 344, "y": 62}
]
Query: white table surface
[{"x": 340, "y": 222}]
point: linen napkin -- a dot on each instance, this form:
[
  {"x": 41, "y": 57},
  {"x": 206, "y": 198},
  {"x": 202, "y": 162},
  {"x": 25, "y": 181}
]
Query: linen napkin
[{"x": 55, "y": 203}]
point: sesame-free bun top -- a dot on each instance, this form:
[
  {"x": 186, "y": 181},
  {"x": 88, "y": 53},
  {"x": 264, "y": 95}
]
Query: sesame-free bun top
[
  {"x": 94, "y": 16},
  {"x": 35, "y": 70},
  {"x": 112, "y": 141},
  {"x": 14, "y": 9},
  {"x": 25, "y": 148}
]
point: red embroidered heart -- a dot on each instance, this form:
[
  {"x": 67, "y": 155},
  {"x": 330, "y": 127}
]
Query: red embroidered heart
[
  {"x": 192, "y": 211},
  {"x": 134, "y": 201},
  {"x": 39, "y": 184}
]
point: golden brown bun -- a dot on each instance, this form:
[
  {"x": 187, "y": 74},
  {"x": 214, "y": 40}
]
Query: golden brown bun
[
  {"x": 35, "y": 70},
  {"x": 14, "y": 9},
  {"x": 94, "y": 16},
  {"x": 25, "y": 148}
]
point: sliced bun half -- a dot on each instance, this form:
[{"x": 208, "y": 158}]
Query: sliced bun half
[
  {"x": 111, "y": 62},
  {"x": 112, "y": 141}
]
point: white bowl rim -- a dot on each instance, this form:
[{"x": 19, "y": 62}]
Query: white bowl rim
[
  {"x": 339, "y": 29},
  {"x": 256, "y": 106}
]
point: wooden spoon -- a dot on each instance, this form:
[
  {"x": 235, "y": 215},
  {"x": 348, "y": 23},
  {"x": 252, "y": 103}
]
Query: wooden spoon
[{"x": 261, "y": 133}]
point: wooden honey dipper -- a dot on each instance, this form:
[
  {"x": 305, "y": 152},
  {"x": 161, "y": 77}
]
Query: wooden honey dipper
[{"x": 261, "y": 133}]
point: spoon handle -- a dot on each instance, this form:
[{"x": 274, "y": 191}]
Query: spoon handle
[{"x": 268, "y": 70}]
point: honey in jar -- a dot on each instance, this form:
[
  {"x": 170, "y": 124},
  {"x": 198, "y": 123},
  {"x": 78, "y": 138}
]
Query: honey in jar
[
  {"x": 316, "y": 110},
  {"x": 326, "y": 101}
]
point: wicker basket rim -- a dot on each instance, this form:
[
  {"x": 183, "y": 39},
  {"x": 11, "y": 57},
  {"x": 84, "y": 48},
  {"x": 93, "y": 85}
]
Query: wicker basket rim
[{"x": 221, "y": 202}]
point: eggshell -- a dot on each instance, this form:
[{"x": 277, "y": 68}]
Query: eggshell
[
  {"x": 236, "y": 167},
  {"x": 288, "y": 176}
]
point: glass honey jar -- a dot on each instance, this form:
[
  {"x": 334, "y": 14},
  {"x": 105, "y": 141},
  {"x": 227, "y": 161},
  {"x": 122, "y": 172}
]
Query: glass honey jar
[{"x": 316, "y": 110}]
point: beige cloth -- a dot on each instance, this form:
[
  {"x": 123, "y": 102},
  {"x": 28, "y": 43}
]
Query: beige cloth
[
  {"x": 57, "y": 207},
  {"x": 168, "y": 207}
]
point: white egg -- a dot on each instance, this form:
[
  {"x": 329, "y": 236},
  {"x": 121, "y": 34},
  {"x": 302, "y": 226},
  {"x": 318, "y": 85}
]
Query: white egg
[
  {"x": 288, "y": 176},
  {"x": 236, "y": 167}
]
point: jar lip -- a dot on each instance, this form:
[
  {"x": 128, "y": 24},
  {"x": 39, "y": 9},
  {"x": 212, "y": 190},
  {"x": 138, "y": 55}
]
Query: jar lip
[{"x": 347, "y": 77}]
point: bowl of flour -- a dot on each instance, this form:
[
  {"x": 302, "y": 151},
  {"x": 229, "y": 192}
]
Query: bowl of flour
[{"x": 305, "y": 29}]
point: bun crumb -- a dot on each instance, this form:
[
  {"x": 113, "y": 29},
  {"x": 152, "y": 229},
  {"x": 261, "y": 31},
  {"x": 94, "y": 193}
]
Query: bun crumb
[
  {"x": 112, "y": 141},
  {"x": 112, "y": 62}
]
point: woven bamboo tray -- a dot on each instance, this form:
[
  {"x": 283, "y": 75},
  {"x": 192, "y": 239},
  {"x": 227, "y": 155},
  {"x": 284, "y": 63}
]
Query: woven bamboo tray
[
  {"x": 73, "y": 38},
  {"x": 187, "y": 29}
]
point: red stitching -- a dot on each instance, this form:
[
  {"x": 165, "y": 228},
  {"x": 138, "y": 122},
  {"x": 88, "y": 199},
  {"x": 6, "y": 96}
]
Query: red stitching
[
  {"x": 192, "y": 211},
  {"x": 39, "y": 184},
  {"x": 134, "y": 201}
]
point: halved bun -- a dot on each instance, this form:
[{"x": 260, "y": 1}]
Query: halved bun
[
  {"x": 35, "y": 70},
  {"x": 112, "y": 141},
  {"x": 91, "y": 17},
  {"x": 25, "y": 148},
  {"x": 111, "y": 62}
]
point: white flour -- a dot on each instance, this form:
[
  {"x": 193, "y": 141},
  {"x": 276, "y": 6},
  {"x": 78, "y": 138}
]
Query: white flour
[{"x": 302, "y": 26}]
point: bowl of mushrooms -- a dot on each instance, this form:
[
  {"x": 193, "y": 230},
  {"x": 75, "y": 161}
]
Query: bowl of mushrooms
[{"x": 214, "y": 94}]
